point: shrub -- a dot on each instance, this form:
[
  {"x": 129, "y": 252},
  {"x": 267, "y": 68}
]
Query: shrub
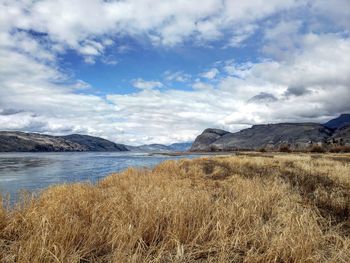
[
  {"x": 262, "y": 150},
  {"x": 285, "y": 149},
  {"x": 340, "y": 149},
  {"x": 317, "y": 149},
  {"x": 214, "y": 148}
]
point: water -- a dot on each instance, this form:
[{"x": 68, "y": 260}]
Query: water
[{"x": 35, "y": 171}]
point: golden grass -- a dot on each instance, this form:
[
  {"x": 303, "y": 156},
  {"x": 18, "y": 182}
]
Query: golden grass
[{"x": 283, "y": 208}]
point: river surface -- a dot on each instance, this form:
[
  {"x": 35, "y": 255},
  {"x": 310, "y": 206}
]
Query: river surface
[{"x": 34, "y": 171}]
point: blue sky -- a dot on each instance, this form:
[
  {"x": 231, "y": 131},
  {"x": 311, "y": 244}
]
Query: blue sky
[
  {"x": 155, "y": 71},
  {"x": 115, "y": 71}
]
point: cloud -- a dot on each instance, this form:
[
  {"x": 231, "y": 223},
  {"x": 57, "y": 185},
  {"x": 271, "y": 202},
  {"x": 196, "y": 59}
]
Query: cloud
[
  {"x": 146, "y": 85},
  {"x": 9, "y": 111},
  {"x": 241, "y": 34},
  {"x": 281, "y": 37},
  {"x": 88, "y": 25},
  {"x": 296, "y": 91},
  {"x": 336, "y": 11},
  {"x": 109, "y": 60},
  {"x": 198, "y": 85},
  {"x": 210, "y": 74},
  {"x": 263, "y": 97},
  {"x": 178, "y": 76}
]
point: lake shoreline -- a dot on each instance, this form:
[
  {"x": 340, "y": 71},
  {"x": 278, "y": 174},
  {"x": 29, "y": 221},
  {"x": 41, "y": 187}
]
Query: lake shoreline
[{"x": 35, "y": 171}]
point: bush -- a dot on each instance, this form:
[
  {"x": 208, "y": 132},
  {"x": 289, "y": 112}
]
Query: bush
[
  {"x": 317, "y": 149},
  {"x": 214, "y": 148},
  {"x": 340, "y": 149},
  {"x": 285, "y": 149},
  {"x": 262, "y": 150}
]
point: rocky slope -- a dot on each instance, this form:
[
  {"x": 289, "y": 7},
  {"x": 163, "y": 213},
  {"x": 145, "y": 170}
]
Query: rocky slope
[
  {"x": 272, "y": 136},
  {"x": 342, "y": 136},
  {"x": 340, "y": 122},
  {"x": 180, "y": 147},
  {"x": 34, "y": 142},
  {"x": 95, "y": 143}
]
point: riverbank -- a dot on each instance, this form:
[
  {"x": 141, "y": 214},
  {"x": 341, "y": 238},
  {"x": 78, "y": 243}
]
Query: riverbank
[{"x": 267, "y": 208}]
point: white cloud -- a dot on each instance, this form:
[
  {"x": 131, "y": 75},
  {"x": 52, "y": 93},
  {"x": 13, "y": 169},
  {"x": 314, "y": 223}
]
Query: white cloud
[
  {"x": 198, "y": 85},
  {"x": 241, "y": 34},
  {"x": 146, "y": 85},
  {"x": 210, "y": 74},
  {"x": 178, "y": 76},
  {"x": 85, "y": 25},
  {"x": 337, "y": 11}
]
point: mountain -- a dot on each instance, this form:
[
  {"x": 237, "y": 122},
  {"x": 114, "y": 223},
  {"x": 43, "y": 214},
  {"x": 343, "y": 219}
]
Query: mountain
[
  {"x": 149, "y": 148},
  {"x": 342, "y": 135},
  {"x": 180, "y": 147},
  {"x": 34, "y": 142},
  {"x": 337, "y": 123},
  {"x": 175, "y": 147},
  {"x": 204, "y": 141},
  {"x": 272, "y": 136},
  {"x": 95, "y": 144}
]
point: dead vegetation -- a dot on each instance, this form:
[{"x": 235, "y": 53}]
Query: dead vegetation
[{"x": 282, "y": 208}]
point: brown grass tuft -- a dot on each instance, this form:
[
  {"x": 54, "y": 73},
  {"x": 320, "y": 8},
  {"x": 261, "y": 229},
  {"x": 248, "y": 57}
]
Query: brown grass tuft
[{"x": 285, "y": 208}]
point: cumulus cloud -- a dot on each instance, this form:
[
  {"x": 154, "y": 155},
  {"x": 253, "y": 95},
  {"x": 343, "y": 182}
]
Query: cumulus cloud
[
  {"x": 86, "y": 25},
  {"x": 336, "y": 11},
  {"x": 178, "y": 76},
  {"x": 143, "y": 84},
  {"x": 241, "y": 34},
  {"x": 210, "y": 74}
]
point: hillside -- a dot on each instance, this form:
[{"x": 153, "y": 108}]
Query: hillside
[
  {"x": 339, "y": 122},
  {"x": 149, "y": 148},
  {"x": 342, "y": 135},
  {"x": 34, "y": 142},
  {"x": 175, "y": 147},
  {"x": 180, "y": 147},
  {"x": 297, "y": 136},
  {"x": 95, "y": 143}
]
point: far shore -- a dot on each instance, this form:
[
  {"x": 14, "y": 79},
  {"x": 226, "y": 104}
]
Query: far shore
[{"x": 343, "y": 157}]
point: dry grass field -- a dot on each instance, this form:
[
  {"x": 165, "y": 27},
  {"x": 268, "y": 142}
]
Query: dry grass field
[{"x": 244, "y": 208}]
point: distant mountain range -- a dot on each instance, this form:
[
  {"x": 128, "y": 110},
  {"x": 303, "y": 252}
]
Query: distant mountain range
[
  {"x": 273, "y": 136},
  {"x": 34, "y": 142},
  {"x": 13, "y": 141},
  {"x": 267, "y": 136},
  {"x": 175, "y": 147}
]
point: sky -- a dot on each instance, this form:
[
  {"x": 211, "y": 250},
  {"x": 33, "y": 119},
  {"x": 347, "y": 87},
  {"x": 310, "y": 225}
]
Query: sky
[{"x": 161, "y": 71}]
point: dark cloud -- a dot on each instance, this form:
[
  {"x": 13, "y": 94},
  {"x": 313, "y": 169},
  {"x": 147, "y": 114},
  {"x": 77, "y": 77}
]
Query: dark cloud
[
  {"x": 297, "y": 91},
  {"x": 6, "y": 112},
  {"x": 263, "y": 97}
]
